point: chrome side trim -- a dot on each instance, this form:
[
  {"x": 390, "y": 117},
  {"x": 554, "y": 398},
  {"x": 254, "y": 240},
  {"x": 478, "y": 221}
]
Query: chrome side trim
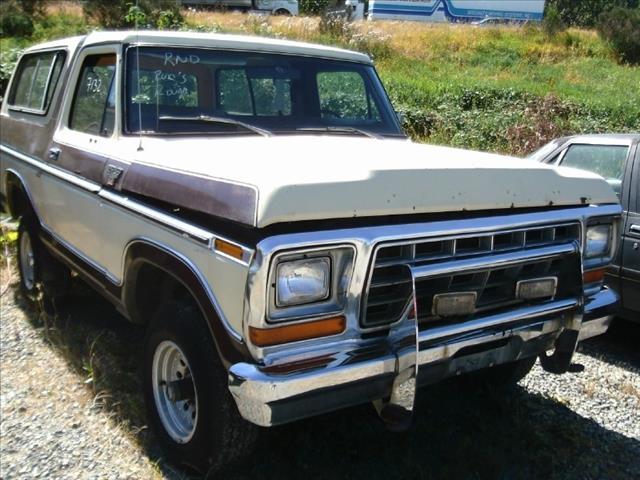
[
  {"x": 196, "y": 272},
  {"x": 102, "y": 270},
  {"x": 56, "y": 172},
  {"x": 175, "y": 224}
]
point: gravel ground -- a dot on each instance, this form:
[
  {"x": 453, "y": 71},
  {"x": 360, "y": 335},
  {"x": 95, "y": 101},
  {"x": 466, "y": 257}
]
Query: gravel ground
[{"x": 70, "y": 407}]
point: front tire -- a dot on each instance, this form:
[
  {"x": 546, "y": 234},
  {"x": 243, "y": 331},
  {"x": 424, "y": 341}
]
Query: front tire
[{"x": 188, "y": 402}]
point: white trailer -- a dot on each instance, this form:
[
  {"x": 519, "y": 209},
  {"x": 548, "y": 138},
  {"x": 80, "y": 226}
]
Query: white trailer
[
  {"x": 456, "y": 10},
  {"x": 277, "y": 7}
]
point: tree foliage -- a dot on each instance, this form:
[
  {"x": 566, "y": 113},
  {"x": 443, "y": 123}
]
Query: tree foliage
[
  {"x": 17, "y": 16},
  {"x": 621, "y": 28},
  {"x": 127, "y": 14},
  {"x": 585, "y": 13}
]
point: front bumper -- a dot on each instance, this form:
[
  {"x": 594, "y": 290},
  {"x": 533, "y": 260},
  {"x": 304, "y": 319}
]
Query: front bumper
[{"x": 328, "y": 380}]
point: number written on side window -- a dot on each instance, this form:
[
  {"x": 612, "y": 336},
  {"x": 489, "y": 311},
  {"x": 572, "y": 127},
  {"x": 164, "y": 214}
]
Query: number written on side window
[
  {"x": 606, "y": 160},
  {"x": 35, "y": 81},
  {"x": 93, "y": 109}
]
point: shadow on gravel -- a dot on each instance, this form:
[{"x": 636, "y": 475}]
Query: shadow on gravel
[
  {"x": 459, "y": 433},
  {"x": 619, "y": 346}
]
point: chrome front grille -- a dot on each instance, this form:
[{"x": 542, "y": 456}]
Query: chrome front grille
[{"x": 470, "y": 263}]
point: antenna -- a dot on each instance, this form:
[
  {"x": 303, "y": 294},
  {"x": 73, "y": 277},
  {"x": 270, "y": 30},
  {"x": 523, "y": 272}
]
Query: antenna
[{"x": 138, "y": 81}]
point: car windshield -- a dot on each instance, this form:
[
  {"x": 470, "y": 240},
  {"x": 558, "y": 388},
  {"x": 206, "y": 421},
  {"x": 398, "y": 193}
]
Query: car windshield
[
  {"x": 193, "y": 91},
  {"x": 543, "y": 151}
]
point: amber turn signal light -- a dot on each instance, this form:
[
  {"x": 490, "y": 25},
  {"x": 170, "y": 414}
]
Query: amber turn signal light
[
  {"x": 265, "y": 337},
  {"x": 228, "y": 248},
  {"x": 593, "y": 276}
]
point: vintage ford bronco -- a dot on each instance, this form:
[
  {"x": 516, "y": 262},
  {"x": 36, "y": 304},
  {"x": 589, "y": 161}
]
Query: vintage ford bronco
[{"x": 255, "y": 203}]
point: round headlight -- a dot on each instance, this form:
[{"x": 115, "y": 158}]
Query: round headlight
[
  {"x": 303, "y": 281},
  {"x": 598, "y": 241}
]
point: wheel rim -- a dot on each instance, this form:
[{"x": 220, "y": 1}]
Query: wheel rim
[
  {"x": 174, "y": 392},
  {"x": 27, "y": 261}
]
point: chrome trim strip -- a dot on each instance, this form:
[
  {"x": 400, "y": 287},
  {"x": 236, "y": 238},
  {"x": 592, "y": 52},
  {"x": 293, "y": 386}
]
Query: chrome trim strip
[
  {"x": 198, "y": 275},
  {"x": 56, "y": 172},
  {"x": 490, "y": 321},
  {"x": 175, "y": 224},
  {"x": 108, "y": 275},
  {"x": 493, "y": 261}
]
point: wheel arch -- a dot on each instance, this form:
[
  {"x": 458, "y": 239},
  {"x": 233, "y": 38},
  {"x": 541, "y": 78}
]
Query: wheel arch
[
  {"x": 145, "y": 259},
  {"x": 19, "y": 200}
]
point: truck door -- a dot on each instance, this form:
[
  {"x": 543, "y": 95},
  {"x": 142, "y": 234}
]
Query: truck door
[
  {"x": 631, "y": 247},
  {"x": 83, "y": 145}
]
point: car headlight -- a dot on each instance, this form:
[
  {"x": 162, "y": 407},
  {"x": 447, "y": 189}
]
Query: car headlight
[
  {"x": 598, "y": 243},
  {"x": 300, "y": 282}
]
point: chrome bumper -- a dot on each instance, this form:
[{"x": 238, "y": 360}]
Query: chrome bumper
[{"x": 328, "y": 380}]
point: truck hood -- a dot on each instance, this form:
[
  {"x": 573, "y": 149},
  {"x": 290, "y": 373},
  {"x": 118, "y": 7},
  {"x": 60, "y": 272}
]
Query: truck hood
[{"x": 263, "y": 181}]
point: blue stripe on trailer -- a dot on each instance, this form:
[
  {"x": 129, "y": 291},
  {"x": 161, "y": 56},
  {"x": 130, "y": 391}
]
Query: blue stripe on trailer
[{"x": 450, "y": 10}]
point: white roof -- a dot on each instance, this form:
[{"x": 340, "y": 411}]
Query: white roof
[{"x": 210, "y": 40}]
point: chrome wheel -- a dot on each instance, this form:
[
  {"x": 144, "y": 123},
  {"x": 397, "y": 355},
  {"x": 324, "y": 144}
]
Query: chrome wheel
[
  {"x": 27, "y": 261},
  {"x": 174, "y": 391}
]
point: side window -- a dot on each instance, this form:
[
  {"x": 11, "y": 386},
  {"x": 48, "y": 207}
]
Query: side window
[
  {"x": 36, "y": 80},
  {"x": 234, "y": 96},
  {"x": 606, "y": 160},
  {"x": 344, "y": 95},
  {"x": 263, "y": 94},
  {"x": 93, "y": 108}
]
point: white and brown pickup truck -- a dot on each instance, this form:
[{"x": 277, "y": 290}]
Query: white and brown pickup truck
[{"x": 256, "y": 205}]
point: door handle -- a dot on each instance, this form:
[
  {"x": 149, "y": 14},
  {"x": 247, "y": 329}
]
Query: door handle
[
  {"x": 634, "y": 228},
  {"x": 54, "y": 154}
]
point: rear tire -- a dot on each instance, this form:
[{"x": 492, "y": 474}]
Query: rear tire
[
  {"x": 36, "y": 266},
  {"x": 200, "y": 427}
]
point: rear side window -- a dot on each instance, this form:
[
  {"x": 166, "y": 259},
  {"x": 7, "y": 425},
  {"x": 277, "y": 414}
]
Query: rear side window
[
  {"x": 35, "y": 81},
  {"x": 605, "y": 160},
  {"x": 94, "y": 103},
  {"x": 608, "y": 161}
]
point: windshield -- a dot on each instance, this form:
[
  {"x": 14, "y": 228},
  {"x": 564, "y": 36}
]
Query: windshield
[
  {"x": 180, "y": 91},
  {"x": 545, "y": 150}
]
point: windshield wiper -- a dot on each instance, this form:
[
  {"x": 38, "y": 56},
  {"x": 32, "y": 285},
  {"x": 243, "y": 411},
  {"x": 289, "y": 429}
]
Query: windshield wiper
[
  {"x": 340, "y": 130},
  {"x": 222, "y": 120}
]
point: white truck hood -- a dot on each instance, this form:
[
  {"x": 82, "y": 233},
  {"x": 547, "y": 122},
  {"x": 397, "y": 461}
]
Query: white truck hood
[{"x": 323, "y": 177}]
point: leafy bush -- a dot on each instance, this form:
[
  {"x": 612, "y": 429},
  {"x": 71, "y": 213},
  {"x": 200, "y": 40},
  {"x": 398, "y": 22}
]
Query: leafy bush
[
  {"x": 125, "y": 14},
  {"x": 313, "y": 7},
  {"x": 553, "y": 23},
  {"x": 585, "y": 13},
  {"x": 621, "y": 28},
  {"x": 14, "y": 21},
  {"x": 8, "y": 59}
]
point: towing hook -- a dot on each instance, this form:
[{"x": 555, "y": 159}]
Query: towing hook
[{"x": 560, "y": 361}]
